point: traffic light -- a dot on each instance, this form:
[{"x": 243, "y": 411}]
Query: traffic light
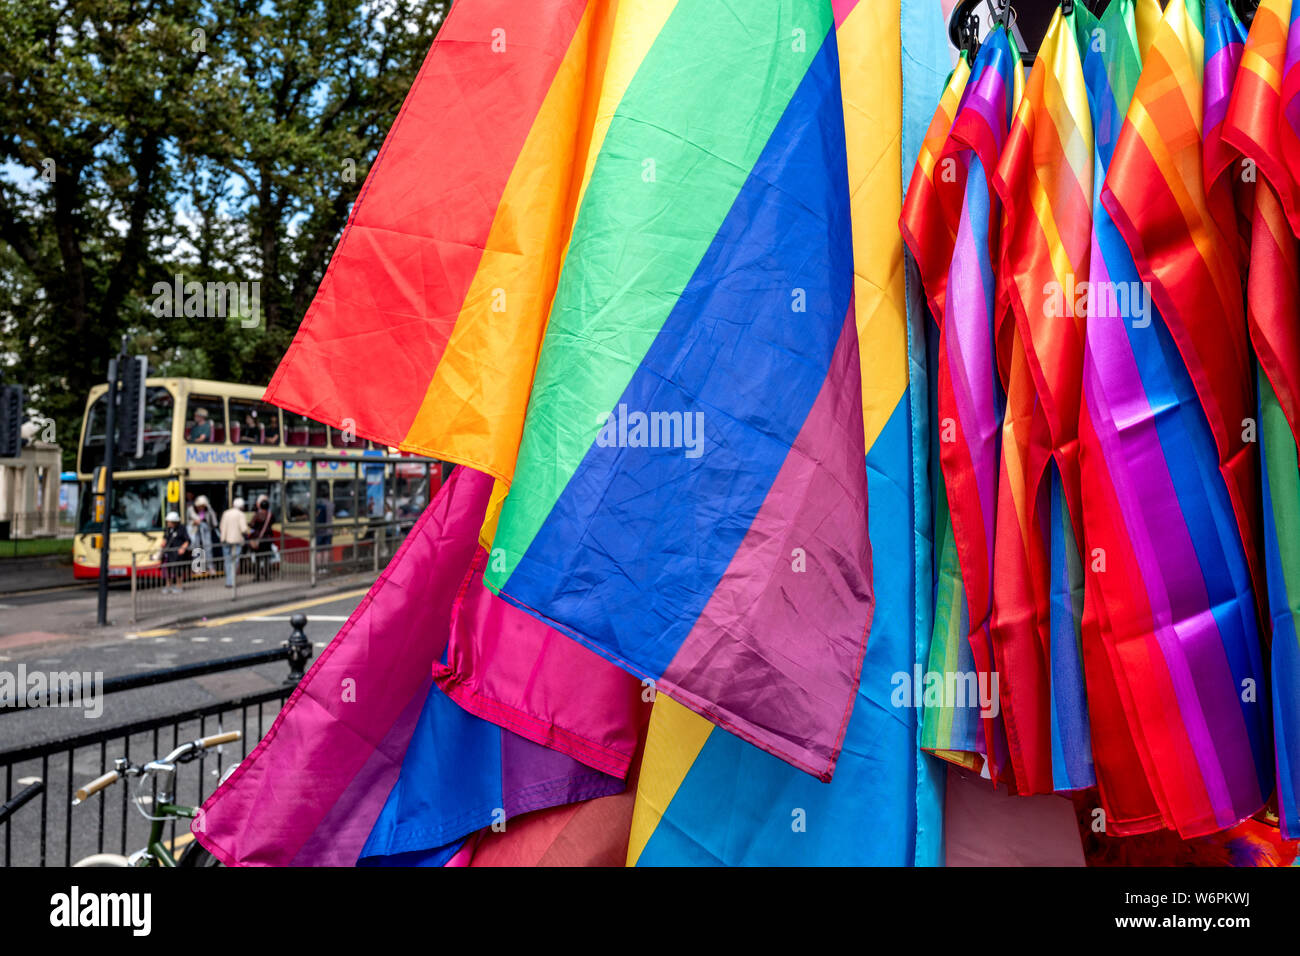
[
  {"x": 130, "y": 429},
  {"x": 11, "y": 421}
]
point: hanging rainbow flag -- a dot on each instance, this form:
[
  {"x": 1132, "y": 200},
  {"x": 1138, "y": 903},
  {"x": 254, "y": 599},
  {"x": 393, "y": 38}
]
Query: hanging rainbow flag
[
  {"x": 1156, "y": 194},
  {"x": 1227, "y": 191},
  {"x": 931, "y": 212},
  {"x": 425, "y": 330},
  {"x": 884, "y": 804},
  {"x": 368, "y": 761},
  {"x": 970, "y": 400},
  {"x": 689, "y": 499},
  {"x": 1289, "y": 115},
  {"x": 641, "y": 291},
  {"x": 1273, "y": 302},
  {"x": 1044, "y": 178},
  {"x": 1175, "y": 590}
]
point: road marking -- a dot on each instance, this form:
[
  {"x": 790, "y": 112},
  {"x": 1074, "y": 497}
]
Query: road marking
[
  {"x": 200, "y": 640},
  {"x": 156, "y": 632},
  {"x": 284, "y": 609}
]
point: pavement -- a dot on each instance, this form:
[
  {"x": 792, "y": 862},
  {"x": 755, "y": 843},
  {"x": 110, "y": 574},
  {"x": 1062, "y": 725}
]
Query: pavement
[{"x": 34, "y": 573}]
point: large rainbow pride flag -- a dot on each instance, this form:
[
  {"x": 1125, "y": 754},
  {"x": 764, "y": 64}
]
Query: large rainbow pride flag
[
  {"x": 648, "y": 295},
  {"x": 884, "y": 805}
]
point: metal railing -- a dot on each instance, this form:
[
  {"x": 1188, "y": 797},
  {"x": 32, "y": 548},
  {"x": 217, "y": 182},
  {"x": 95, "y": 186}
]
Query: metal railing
[
  {"x": 41, "y": 827},
  {"x": 170, "y": 586}
]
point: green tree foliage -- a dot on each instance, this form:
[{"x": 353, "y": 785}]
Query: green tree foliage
[{"x": 218, "y": 141}]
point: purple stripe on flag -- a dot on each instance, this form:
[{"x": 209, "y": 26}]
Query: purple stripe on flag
[
  {"x": 1220, "y": 72},
  {"x": 342, "y": 832},
  {"x": 968, "y": 337},
  {"x": 534, "y": 777},
  {"x": 801, "y": 536}
]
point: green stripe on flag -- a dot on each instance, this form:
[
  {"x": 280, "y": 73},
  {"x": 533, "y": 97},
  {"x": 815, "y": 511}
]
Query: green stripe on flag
[
  {"x": 1279, "y": 450},
  {"x": 676, "y": 155}
]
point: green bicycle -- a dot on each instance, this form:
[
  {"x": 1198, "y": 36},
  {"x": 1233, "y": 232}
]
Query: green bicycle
[{"x": 162, "y": 772}]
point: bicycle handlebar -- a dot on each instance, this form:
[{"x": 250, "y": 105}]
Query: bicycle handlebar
[
  {"x": 110, "y": 778},
  {"x": 188, "y": 751},
  {"x": 229, "y": 737},
  {"x": 96, "y": 785}
]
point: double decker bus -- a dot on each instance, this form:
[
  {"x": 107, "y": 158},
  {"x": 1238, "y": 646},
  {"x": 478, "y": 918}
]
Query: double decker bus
[{"x": 211, "y": 439}]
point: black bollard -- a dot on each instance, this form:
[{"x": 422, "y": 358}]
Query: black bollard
[{"x": 299, "y": 649}]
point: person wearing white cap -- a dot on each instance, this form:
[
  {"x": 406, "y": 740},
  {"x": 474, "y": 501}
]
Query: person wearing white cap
[
  {"x": 176, "y": 543},
  {"x": 234, "y": 529}
]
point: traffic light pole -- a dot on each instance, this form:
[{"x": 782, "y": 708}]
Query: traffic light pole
[{"x": 110, "y": 452}]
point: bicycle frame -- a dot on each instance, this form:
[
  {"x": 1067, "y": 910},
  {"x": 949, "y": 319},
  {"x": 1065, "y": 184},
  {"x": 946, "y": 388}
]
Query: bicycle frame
[{"x": 164, "y": 773}]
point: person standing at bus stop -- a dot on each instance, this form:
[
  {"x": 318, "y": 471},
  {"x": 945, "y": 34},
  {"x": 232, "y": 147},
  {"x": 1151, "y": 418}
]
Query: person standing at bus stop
[
  {"x": 234, "y": 529},
  {"x": 260, "y": 543},
  {"x": 203, "y": 532},
  {"x": 176, "y": 543}
]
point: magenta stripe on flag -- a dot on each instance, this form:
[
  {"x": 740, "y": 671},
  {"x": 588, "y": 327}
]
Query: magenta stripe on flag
[{"x": 969, "y": 343}]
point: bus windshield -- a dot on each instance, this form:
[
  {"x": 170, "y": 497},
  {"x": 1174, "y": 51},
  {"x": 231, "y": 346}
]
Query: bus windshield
[
  {"x": 137, "y": 506},
  {"x": 158, "y": 414}
]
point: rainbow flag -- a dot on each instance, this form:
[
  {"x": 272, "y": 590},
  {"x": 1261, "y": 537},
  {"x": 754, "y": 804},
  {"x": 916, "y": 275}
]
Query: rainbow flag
[
  {"x": 1273, "y": 302},
  {"x": 369, "y": 761},
  {"x": 1111, "y": 74},
  {"x": 425, "y": 330},
  {"x": 1227, "y": 190},
  {"x": 970, "y": 401},
  {"x": 1044, "y": 178},
  {"x": 689, "y": 497},
  {"x": 883, "y": 805},
  {"x": 931, "y": 213},
  {"x": 1156, "y": 194},
  {"x": 1166, "y": 397},
  {"x": 1289, "y": 115},
  {"x": 595, "y": 302}
]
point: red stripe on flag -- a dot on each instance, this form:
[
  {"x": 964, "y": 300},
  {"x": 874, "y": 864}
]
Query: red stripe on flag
[{"x": 381, "y": 318}]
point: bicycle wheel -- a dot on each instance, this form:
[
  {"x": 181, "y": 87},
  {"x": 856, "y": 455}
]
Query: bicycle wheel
[{"x": 196, "y": 855}]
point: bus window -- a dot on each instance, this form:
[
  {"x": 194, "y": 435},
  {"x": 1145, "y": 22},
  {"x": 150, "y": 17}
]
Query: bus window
[
  {"x": 137, "y": 506},
  {"x": 338, "y": 440},
  {"x": 159, "y": 407},
  {"x": 299, "y": 494},
  {"x": 250, "y": 491},
  {"x": 301, "y": 432},
  {"x": 205, "y": 419},
  {"x": 345, "y": 501},
  {"x": 254, "y": 423}
]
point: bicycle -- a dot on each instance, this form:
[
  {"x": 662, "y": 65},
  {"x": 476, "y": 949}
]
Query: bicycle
[{"x": 163, "y": 773}]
